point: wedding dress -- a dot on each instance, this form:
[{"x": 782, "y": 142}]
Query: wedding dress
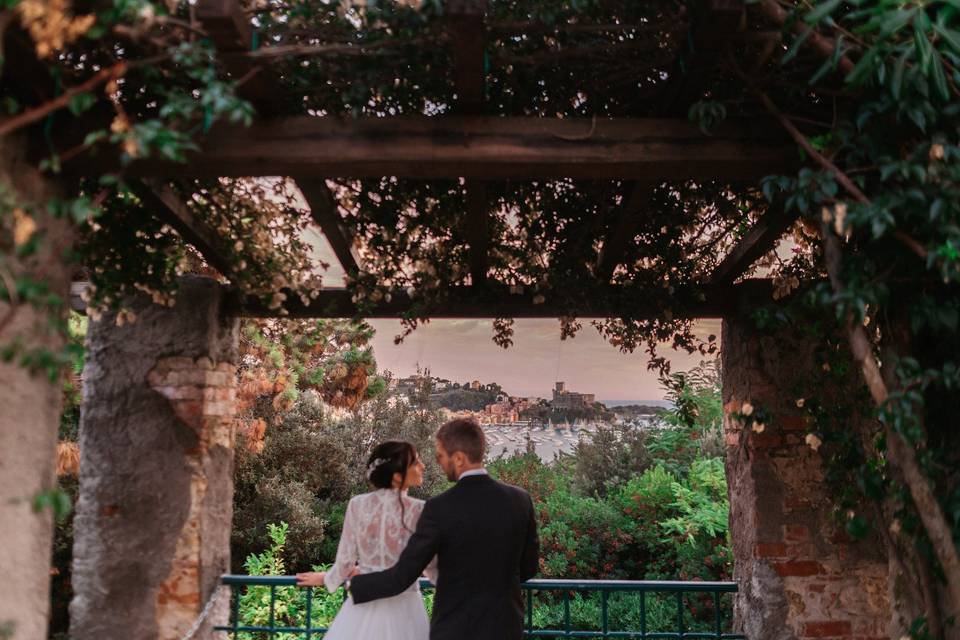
[{"x": 372, "y": 539}]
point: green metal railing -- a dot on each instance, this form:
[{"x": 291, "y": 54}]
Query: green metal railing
[{"x": 555, "y": 590}]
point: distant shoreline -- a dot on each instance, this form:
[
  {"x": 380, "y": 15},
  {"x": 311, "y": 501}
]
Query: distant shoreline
[{"x": 626, "y": 403}]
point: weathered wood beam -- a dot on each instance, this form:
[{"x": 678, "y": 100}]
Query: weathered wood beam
[
  {"x": 621, "y": 235},
  {"x": 228, "y": 26},
  {"x": 478, "y": 147},
  {"x": 160, "y": 198},
  {"x": 760, "y": 239},
  {"x": 323, "y": 208},
  {"x": 478, "y": 231},
  {"x": 463, "y": 302},
  {"x": 466, "y": 31}
]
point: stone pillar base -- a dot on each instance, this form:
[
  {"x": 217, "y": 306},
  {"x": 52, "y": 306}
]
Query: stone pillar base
[{"x": 156, "y": 476}]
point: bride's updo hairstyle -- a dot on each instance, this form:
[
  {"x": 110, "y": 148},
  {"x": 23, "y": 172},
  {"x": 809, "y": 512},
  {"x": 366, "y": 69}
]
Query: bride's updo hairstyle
[{"x": 388, "y": 458}]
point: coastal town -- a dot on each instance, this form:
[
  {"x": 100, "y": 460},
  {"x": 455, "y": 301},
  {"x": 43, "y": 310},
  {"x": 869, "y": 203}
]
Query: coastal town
[{"x": 544, "y": 425}]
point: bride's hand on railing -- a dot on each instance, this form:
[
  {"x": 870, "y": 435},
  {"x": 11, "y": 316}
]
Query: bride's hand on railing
[{"x": 311, "y": 578}]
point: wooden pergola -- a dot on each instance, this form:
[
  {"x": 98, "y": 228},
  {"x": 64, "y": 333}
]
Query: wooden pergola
[{"x": 475, "y": 146}]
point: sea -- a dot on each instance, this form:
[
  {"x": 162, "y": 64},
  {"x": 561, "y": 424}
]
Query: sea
[{"x": 548, "y": 441}]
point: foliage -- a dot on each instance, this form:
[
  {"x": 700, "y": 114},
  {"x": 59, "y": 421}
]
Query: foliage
[
  {"x": 879, "y": 203},
  {"x": 311, "y": 463},
  {"x": 612, "y": 455},
  {"x": 289, "y": 605},
  {"x": 664, "y": 521}
]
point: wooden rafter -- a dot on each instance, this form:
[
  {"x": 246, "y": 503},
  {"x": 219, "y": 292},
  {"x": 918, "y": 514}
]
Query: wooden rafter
[
  {"x": 478, "y": 230},
  {"x": 229, "y": 29},
  {"x": 760, "y": 239},
  {"x": 479, "y": 147},
  {"x": 463, "y": 302},
  {"x": 621, "y": 235},
  {"x": 467, "y": 35},
  {"x": 323, "y": 208},
  {"x": 170, "y": 207}
]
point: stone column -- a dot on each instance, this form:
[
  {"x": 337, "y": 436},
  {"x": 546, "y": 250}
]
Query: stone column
[
  {"x": 29, "y": 400},
  {"x": 799, "y": 574},
  {"x": 156, "y": 476}
]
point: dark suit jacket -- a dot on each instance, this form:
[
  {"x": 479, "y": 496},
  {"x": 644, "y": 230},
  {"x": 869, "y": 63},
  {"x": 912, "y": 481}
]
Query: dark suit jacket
[{"x": 484, "y": 534}]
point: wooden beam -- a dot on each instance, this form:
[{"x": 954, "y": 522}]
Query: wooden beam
[
  {"x": 466, "y": 31},
  {"x": 160, "y": 198},
  {"x": 760, "y": 239},
  {"x": 323, "y": 208},
  {"x": 463, "y": 302},
  {"x": 478, "y": 231},
  {"x": 621, "y": 235},
  {"x": 228, "y": 26},
  {"x": 477, "y": 147}
]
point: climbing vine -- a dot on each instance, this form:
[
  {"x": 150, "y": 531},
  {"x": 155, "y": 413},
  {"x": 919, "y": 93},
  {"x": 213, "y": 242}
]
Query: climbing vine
[{"x": 868, "y": 92}]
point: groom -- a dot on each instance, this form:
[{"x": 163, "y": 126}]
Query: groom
[{"x": 484, "y": 535}]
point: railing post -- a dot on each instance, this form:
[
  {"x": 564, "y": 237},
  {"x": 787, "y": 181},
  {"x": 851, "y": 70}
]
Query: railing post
[
  {"x": 236, "y": 611},
  {"x": 643, "y": 614},
  {"x": 716, "y": 612},
  {"x": 680, "y": 613},
  {"x": 603, "y": 613},
  {"x": 309, "y": 623},
  {"x": 273, "y": 602},
  {"x": 529, "y": 611}
]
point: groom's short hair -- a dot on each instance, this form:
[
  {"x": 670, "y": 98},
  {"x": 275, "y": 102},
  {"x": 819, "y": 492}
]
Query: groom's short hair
[{"x": 463, "y": 434}]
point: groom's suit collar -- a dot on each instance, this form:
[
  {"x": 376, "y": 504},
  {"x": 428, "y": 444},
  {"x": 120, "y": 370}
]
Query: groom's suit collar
[{"x": 474, "y": 475}]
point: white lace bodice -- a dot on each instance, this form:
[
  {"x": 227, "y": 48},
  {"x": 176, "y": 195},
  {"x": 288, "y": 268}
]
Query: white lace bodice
[{"x": 373, "y": 535}]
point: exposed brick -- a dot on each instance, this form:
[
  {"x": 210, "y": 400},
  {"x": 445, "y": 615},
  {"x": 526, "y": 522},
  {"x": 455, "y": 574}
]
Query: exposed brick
[
  {"x": 765, "y": 440},
  {"x": 792, "y": 423},
  {"x": 796, "y": 533},
  {"x": 799, "y": 568},
  {"x": 827, "y": 629},
  {"x": 771, "y": 550}
]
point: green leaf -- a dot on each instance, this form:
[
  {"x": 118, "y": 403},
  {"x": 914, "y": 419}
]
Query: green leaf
[
  {"x": 81, "y": 102},
  {"x": 93, "y": 137},
  {"x": 821, "y": 11},
  {"x": 940, "y": 78},
  {"x": 795, "y": 46},
  {"x": 924, "y": 48},
  {"x": 950, "y": 36},
  {"x": 894, "y": 23},
  {"x": 896, "y": 82},
  {"x": 863, "y": 69}
]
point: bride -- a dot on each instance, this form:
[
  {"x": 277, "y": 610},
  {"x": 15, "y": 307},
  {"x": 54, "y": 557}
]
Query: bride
[{"x": 376, "y": 528}]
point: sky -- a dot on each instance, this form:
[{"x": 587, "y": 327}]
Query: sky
[{"x": 462, "y": 350}]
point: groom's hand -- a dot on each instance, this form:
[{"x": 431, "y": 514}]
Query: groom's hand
[
  {"x": 355, "y": 572},
  {"x": 311, "y": 579}
]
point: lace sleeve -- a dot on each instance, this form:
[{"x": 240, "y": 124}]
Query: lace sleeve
[
  {"x": 431, "y": 571},
  {"x": 347, "y": 553}
]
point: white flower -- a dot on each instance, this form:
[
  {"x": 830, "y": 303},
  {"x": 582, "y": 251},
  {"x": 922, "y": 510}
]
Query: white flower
[
  {"x": 813, "y": 441},
  {"x": 800, "y": 402},
  {"x": 746, "y": 409}
]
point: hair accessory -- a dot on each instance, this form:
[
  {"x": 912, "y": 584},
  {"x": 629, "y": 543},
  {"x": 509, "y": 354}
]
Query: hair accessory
[{"x": 373, "y": 466}]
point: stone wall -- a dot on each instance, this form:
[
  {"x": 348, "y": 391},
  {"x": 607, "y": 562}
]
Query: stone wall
[
  {"x": 29, "y": 405},
  {"x": 152, "y": 530},
  {"x": 799, "y": 574}
]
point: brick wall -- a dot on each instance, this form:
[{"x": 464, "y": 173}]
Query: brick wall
[
  {"x": 800, "y": 576},
  {"x": 152, "y": 528}
]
